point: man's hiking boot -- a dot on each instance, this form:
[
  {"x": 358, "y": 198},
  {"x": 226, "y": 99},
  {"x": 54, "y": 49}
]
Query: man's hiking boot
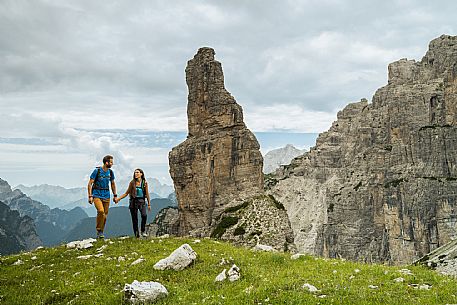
[{"x": 144, "y": 234}]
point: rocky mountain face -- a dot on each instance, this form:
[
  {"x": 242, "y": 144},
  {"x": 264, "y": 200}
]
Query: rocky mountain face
[
  {"x": 16, "y": 233},
  {"x": 51, "y": 224},
  {"x": 381, "y": 183},
  {"x": 281, "y": 156},
  {"x": 220, "y": 160},
  {"x": 257, "y": 220},
  {"x": 165, "y": 222}
]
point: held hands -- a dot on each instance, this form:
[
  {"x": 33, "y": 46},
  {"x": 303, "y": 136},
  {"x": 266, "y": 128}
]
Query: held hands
[{"x": 116, "y": 200}]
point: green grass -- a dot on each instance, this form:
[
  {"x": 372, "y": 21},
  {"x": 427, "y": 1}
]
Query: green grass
[{"x": 57, "y": 276}]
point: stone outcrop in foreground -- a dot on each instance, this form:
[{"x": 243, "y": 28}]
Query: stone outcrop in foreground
[
  {"x": 179, "y": 259},
  {"x": 259, "y": 220},
  {"x": 442, "y": 259},
  {"x": 220, "y": 160},
  {"x": 165, "y": 222},
  {"x": 381, "y": 183}
]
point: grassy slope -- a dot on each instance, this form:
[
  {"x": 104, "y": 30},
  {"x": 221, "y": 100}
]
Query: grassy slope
[{"x": 57, "y": 276}]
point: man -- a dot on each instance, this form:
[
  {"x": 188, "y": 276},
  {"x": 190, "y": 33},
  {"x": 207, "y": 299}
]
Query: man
[{"x": 98, "y": 191}]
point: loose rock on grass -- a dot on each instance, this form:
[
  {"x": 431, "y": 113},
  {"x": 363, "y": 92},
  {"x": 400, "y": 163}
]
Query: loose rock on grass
[
  {"x": 81, "y": 244},
  {"x": 310, "y": 287},
  {"x": 144, "y": 292},
  {"x": 221, "y": 276},
  {"x": 234, "y": 273},
  {"x": 178, "y": 259}
]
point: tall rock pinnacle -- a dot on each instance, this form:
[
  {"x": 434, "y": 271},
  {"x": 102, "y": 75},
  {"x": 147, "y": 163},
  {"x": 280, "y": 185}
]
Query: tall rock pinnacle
[
  {"x": 220, "y": 160},
  {"x": 211, "y": 108}
]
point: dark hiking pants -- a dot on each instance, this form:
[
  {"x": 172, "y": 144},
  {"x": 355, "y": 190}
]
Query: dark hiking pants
[{"x": 138, "y": 204}]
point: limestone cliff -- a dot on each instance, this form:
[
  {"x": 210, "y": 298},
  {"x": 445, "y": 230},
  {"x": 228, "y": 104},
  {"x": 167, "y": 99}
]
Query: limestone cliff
[
  {"x": 220, "y": 160},
  {"x": 381, "y": 183},
  {"x": 16, "y": 233}
]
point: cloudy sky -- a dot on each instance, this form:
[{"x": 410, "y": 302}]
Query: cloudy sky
[{"x": 79, "y": 79}]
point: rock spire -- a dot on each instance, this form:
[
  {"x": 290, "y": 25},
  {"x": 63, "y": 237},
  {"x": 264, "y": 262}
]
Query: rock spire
[{"x": 220, "y": 160}]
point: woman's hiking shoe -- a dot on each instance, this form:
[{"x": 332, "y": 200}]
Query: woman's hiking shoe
[{"x": 100, "y": 235}]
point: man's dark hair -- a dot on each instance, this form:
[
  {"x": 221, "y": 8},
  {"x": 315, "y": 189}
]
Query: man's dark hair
[{"x": 107, "y": 158}]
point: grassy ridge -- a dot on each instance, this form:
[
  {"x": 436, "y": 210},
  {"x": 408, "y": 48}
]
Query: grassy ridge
[{"x": 57, "y": 276}]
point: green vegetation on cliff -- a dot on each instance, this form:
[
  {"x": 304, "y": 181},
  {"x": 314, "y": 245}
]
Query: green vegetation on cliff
[{"x": 58, "y": 276}]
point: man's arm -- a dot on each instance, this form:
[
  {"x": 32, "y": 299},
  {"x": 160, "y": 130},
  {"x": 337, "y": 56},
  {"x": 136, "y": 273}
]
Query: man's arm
[
  {"x": 113, "y": 188},
  {"x": 89, "y": 190}
]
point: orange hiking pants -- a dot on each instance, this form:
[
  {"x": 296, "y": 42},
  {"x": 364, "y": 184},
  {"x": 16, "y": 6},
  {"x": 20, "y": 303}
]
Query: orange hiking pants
[{"x": 102, "y": 206}]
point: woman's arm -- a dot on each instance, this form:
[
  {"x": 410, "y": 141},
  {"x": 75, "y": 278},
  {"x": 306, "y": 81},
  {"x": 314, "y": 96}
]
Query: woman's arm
[
  {"x": 147, "y": 194},
  {"x": 127, "y": 192}
]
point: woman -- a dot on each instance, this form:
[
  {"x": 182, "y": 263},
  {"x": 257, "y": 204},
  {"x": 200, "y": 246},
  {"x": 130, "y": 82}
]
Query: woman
[{"x": 138, "y": 192}]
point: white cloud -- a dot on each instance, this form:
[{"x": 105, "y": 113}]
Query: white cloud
[
  {"x": 66, "y": 140},
  {"x": 67, "y": 67},
  {"x": 288, "y": 118},
  {"x": 16, "y": 125}
]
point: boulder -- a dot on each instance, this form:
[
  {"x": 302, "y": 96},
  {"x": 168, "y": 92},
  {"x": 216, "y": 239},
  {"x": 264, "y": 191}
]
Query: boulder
[
  {"x": 138, "y": 261},
  {"x": 81, "y": 244},
  {"x": 221, "y": 276},
  {"x": 178, "y": 259},
  {"x": 442, "y": 259},
  {"x": 144, "y": 292},
  {"x": 234, "y": 273},
  {"x": 260, "y": 247},
  {"x": 297, "y": 256},
  {"x": 310, "y": 288}
]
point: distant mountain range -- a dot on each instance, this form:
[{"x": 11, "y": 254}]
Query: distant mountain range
[
  {"x": 51, "y": 224},
  {"x": 281, "y": 156},
  {"x": 156, "y": 189},
  {"x": 52, "y": 195},
  {"x": 26, "y": 223},
  {"x": 67, "y": 199}
]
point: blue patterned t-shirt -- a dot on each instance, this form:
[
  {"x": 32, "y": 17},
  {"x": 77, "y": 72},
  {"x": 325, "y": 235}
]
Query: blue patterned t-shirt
[{"x": 101, "y": 189}]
